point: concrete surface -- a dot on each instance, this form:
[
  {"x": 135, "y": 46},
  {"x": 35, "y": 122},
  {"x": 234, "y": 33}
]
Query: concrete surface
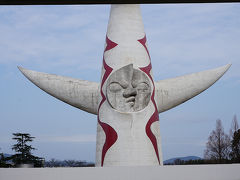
[
  {"x": 181, "y": 172},
  {"x": 175, "y": 91}
]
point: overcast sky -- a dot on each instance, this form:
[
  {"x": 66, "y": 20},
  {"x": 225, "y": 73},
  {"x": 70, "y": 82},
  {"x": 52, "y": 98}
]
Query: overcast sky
[{"x": 69, "y": 41}]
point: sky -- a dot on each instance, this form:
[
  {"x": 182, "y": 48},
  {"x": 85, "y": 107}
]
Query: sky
[{"x": 69, "y": 41}]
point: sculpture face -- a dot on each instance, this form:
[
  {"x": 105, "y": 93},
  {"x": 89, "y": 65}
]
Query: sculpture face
[{"x": 128, "y": 89}]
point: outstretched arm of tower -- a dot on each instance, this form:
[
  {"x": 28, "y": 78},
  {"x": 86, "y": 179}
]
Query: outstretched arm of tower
[
  {"x": 172, "y": 92},
  {"x": 78, "y": 93}
]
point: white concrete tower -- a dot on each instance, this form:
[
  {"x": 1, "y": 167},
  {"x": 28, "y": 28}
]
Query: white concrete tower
[
  {"x": 128, "y": 128},
  {"x": 127, "y": 101}
]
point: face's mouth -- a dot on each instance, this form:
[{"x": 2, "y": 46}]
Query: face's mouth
[{"x": 131, "y": 100}]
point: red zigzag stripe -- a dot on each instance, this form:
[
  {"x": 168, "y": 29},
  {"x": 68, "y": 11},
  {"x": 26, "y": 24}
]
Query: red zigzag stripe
[
  {"x": 111, "y": 135},
  {"x": 154, "y": 117}
]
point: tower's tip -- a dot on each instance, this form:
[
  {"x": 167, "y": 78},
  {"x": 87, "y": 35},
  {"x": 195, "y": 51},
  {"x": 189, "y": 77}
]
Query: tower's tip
[
  {"x": 224, "y": 69},
  {"x": 20, "y": 68}
]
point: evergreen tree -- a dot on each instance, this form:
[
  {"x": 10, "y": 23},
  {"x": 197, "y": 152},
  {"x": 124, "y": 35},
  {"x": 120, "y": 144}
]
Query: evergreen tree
[
  {"x": 235, "y": 141},
  {"x": 23, "y": 150},
  {"x": 235, "y": 145}
]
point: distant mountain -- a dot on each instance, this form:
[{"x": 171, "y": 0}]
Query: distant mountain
[
  {"x": 6, "y": 155},
  {"x": 187, "y": 158}
]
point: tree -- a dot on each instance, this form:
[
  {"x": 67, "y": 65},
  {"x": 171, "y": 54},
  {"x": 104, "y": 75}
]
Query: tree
[
  {"x": 67, "y": 163},
  {"x": 23, "y": 150},
  {"x": 2, "y": 160},
  {"x": 235, "y": 145},
  {"x": 218, "y": 145},
  {"x": 235, "y": 140},
  {"x": 234, "y": 126},
  {"x": 178, "y": 162},
  {"x": 54, "y": 163}
]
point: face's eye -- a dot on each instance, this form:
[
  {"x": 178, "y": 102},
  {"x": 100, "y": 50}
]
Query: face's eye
[
  {"x": 142, "y": 87},
  {"x": 115, "y": 87}
]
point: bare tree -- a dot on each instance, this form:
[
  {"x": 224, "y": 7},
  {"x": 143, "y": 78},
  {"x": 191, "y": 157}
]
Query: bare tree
[
  {"x": 67, "y": 163},
  {"x": 234, "y": 126},
  {"x": 54, "y": 163},
  {"x": 218, "y": 145},
  {"x": 74, "y": 163}
]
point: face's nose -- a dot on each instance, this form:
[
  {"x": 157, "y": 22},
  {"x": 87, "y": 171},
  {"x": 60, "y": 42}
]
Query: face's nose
[{"x": 129, "y": 92}]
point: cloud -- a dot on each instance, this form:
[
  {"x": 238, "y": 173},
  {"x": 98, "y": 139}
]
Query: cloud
[
  {"x": 80, "y": 138},
  {"x": 4, "y": 139},
  {"x": 194, "y": 141},
  {"x": 184, "y": 38},
  {"x": 189, "y": 38},
  {"x": 66, "y": 139},
  {"x": 51, "y": 35}
]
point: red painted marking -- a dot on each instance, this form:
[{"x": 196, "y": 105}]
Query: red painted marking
[
  {"x": 110, "y": 44},
  {"x": 143, "y": 42},
  {"x": 111, "y": 138},
  {"x": 111, "y": 135},
  {"x": 154, "y": 117}
]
